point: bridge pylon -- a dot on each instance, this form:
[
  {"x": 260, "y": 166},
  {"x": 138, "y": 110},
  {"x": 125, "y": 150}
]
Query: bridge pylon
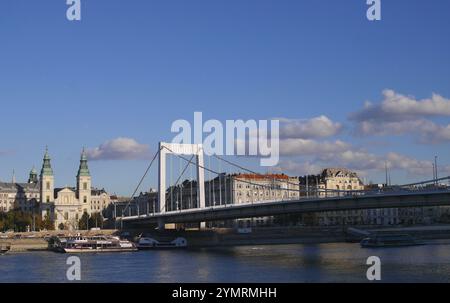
[{"x": 179, "y": 149}]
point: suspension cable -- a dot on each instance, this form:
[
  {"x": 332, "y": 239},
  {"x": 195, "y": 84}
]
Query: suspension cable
[
  {"x": 217, "y": 173},
  {"x": 176, "y": 183},
  {"x": 277, "y": 179},
  {"x": 142, "y": 180},
  {"x": 281, "y": 180}
]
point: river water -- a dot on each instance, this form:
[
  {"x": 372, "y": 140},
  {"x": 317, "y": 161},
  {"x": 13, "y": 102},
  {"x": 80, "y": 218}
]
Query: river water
[{"x": 336, "y": 262}]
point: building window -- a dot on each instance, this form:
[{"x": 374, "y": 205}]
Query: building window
[
  {"x": 47, "y": 199},
  {"x": 47, "y": 185},
  {"x": 85, "y": 186},
  {"x": 84, "y": 199}
]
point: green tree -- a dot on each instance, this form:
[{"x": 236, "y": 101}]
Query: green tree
[
  {"x": 96, "y": 220},
  {"x": 18, "y": 220},
  {"x": 83, "y": 223},
  {"x": 38, "y": 221},
  {"x": 47, "y": 223}
]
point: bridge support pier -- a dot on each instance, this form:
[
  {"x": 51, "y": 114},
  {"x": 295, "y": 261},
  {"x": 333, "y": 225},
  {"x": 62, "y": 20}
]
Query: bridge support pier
[{"x": 161, "y": 224}]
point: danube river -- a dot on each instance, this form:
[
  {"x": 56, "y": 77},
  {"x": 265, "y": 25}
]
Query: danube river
[{"x": 337, "y": 262}]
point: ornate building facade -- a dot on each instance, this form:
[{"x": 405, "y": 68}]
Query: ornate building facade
[
  {"x": 66, "y": 205},
  {"x": 340, "y": 179}
]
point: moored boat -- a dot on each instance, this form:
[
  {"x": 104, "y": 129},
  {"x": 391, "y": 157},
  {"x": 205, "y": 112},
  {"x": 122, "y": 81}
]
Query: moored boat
[
  {"x": 82, "y": 244},
  {"x": 389, "y": 240},
  {"x": 145, "y": 243},
  {"x": 4, "y": 248}
]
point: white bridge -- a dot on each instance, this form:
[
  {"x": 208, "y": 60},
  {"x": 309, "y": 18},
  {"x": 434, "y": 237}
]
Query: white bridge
[{"x": 164, "y": 210}]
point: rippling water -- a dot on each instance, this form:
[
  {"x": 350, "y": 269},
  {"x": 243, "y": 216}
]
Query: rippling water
[{"x": 340, "y": 262}]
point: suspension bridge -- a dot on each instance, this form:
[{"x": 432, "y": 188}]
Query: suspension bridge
[{"x": 190, "y": 198}]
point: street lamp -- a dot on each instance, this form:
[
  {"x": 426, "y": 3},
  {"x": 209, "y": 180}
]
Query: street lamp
[{"x": 436, "y": 169}]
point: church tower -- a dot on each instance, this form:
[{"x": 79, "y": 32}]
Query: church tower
[
  {"x": 84, "y": 182},
  {"x": 47, "y": 180},
  {"x": 33, "y": 179}
]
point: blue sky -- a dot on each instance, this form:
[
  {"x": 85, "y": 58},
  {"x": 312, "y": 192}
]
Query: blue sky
[{"x": 130, "y": 68}]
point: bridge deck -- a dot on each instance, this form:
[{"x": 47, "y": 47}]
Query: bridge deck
[{"x": 261, "y": 209}]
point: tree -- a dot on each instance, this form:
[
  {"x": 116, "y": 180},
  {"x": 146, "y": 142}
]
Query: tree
[
  {"x": 15, "y": 220},
  {"x": 20, "y": 221},
  {"x": 96, "y": 220},
  {"x": 83, "y": 223},
  {"x": 38, "y": 221},
  {"x": 47, "y": 223}
]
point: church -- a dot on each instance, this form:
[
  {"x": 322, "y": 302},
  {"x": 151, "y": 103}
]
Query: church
[{"x": 66, "y": 205}]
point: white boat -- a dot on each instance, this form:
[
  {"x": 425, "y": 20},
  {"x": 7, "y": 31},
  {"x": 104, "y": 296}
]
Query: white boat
[
  {"x": 82, "y": 244},
  {"x": 145, "y": 243}
]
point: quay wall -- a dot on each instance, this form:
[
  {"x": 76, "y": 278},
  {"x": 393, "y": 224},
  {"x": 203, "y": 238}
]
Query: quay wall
[{"x": 289, "y": 235}]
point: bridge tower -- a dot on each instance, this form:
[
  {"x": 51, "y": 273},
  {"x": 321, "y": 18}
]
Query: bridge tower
[{"x": 180, "y": 149}]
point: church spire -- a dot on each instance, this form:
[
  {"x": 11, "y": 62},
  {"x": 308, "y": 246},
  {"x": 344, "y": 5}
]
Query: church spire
[
  {"x": 83, "y": 169},
  {"x": 33, "y": 179},
  {"x": 46, "y": 166}
]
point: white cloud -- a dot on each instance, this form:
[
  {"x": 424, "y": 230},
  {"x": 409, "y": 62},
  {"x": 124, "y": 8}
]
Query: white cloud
[
  {"x": 309, "y": 156},
  {"x": 425, "y": 131},
  {"x": 400, "y": 115},
  {"x": 411, "y": 165},
  {"x": 318, "y": 127},
  {"x": 119, "y": 149},
  {"x": 397, "y": 107},
  {"x": 299, "y": 168},
  {"x": 303, "y": 147}
]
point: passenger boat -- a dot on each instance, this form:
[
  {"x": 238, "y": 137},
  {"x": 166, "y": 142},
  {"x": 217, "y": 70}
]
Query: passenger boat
[
  {"x": 145, "y": 243},
  {"x": 390, "y": 240},
  {"x": 82, "y": 244},
  {"x": 4, "y": 248}
]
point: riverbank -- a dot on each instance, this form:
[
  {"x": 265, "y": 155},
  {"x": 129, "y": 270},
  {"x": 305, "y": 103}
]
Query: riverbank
[
  {"x": 225, "y": 237},
  {"x": 35, "y": 241}
]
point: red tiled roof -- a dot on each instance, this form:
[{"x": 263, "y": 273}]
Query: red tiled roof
[{"x": 263, "y": 177}]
